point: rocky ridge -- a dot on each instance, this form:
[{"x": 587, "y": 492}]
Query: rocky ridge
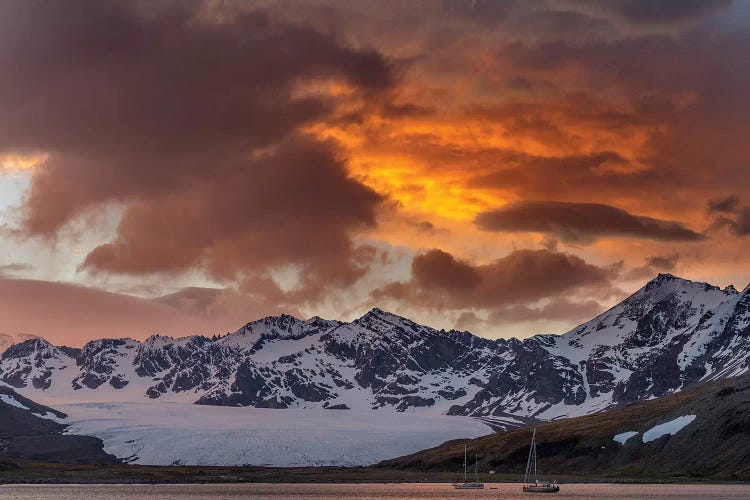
[{"x": 669, "y": 335}]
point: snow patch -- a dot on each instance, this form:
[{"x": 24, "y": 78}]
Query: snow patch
[
  {"x": 671, "y": 427},
  {"x": 10, "y": 400},
  {"x": 624, "y": 436}
]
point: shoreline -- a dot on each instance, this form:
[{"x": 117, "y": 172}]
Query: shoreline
[
  {"x": 53, "y": 481},
  {"x": 23, "y": 472}
]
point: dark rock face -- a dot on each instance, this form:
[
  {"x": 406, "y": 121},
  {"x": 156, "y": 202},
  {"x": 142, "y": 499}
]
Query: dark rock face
[
  {"x": 117, "y": 382},
  {"x": 450, "y": 394},
  {"x": 17, "y": 378},
  {"x": 88, "y": 380},
  {"x": 100, "y": 361},
  {"x": 669, "y": 335},
  {"x": 31, "y": 363},
  {"x": 337, "y": 407},
  {"x": 250, "y": 385},
  {"x": 414, "y": 402},
  {"x": 30, "y": 348},
  {"x": 298, "y": 382},
  {"x": 27, "y": 433}
]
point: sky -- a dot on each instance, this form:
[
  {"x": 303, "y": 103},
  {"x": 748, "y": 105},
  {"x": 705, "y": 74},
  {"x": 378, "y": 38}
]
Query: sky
[{"x": 504, "y": 167}]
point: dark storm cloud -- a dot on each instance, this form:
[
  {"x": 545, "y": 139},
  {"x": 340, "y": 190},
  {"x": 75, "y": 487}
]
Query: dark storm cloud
[
  {"x": 292, "y": 204},
  {"x": 731, "y": 214},
  {"x": 572, "y": 177},
  {"x": 512, "y": 18},
  {"x": 440, "y": 280},
  {"x": 192, "y": 123},
  {"x": 740, "y": 223},
  {"x": 656, "y": 12},
  {"x": 728, "y": 204},
  {"x": 581, "y": 222},
  {"x": 440, "y": 270},
  {"x": 656, "y": 88}
]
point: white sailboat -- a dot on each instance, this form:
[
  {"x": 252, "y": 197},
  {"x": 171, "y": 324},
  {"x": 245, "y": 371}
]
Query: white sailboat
[
  {"x": 536, "y": 486},
  {"x": 470, "y": 485}
]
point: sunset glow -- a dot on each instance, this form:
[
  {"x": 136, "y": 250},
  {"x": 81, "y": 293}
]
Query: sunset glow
[{"x": 314, "y": 157}]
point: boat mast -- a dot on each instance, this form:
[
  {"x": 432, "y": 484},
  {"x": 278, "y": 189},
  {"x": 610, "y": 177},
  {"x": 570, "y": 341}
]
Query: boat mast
[
  {"x": 533, "y": 438},
  {"x": 531, "y": 462},
  {"x": 465, "y": 463},
  {"x": 476, "y": 468}
]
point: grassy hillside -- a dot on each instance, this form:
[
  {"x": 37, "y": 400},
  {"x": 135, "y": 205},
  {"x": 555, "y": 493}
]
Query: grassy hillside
[{"x": 715, "y": 445}]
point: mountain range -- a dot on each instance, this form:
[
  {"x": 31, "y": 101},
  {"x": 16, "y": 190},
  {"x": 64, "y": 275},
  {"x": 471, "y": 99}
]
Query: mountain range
[{"x": 669, "y": 335}]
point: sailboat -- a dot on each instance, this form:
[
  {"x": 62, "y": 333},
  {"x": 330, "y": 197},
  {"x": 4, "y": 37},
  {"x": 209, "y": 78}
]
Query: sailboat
[
  {"x": 536, "y": 486},
  {"x": 470, "y": 485}
]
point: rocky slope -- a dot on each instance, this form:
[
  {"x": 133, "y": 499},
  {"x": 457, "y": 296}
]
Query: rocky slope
[
  {"x": 669, "y": 335},
  {"x": 703, "y": 432},
  {"x": 31, "y": 431}
]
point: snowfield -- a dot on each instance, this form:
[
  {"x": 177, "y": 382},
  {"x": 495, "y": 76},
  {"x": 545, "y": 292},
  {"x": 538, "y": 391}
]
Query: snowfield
[
  {"x": 671, "y": 427},
  {"x": 156, "y": 433},
  {"x": 8, "y": 399},
  {"x": 623, "y": 437}
]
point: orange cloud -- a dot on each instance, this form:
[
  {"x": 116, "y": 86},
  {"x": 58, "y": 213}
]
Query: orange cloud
[
  {"x": 19, "y": 162},
  {"x": 355, "y": 126}
]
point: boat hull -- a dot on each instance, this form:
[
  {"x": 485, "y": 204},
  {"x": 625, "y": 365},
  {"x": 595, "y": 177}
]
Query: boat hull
[
  {"x": 468, "y": 486},
  {"x": 541, "y": 488}
]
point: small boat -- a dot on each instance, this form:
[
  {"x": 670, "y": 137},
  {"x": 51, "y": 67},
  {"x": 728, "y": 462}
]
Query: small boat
[
  {"x": 536, "y": 486},
  {"x": 470, "y": 485}
]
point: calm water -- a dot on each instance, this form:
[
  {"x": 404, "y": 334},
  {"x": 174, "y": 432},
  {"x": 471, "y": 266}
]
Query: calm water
[{"x": 368, "y": 491}]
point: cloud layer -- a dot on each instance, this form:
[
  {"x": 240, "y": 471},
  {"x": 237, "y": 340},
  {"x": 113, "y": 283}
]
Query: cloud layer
[
  {"x": 318, "y": 156},
  {"x": 194, "y": 125},
  {"x": 581, "y": 222},
  {"x": 440, "y": 280},
  {"x": 70, "y": 315}
]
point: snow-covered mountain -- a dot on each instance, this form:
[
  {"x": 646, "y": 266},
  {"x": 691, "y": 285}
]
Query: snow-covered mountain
[{"x": 670, "y": 334}]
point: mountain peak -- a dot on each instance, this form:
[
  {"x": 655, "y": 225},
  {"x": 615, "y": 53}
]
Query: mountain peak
[
  {"x": 666, "y": 276},
  {"x": 318, "y": 322},
  {"x": 29, "y": 347},
  {"x": 379, "y": 320},
  {"x": 664, "y": 281},
  {"x": 157, "y": 342},
  {"x": 157, "y": 338},
  {"x": 283, "y": 320},
  {"x": 377, "y": 313},
  {"x": 667, "y": 279}
]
